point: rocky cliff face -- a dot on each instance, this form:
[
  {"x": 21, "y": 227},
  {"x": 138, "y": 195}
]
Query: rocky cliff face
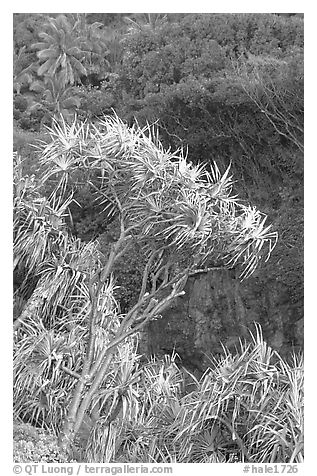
[{"x": 218, "y": 309}]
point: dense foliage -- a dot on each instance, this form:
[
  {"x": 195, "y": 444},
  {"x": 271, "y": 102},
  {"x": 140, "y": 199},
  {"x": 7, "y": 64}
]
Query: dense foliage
[
  {"x": 247, "y": 407},
  {"x": 226, "y": 89},
  {"x": 33, "y": 445},
  {"x": 70, "y": 333},
  {"x": 227, "y": 86}
]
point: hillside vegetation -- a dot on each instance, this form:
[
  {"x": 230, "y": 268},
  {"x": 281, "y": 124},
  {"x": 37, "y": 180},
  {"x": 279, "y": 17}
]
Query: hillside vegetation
[{"x": 150, "y": 149}]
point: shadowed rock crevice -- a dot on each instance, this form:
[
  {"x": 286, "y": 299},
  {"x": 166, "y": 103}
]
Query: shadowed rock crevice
[{"x": 218, "y": 309}]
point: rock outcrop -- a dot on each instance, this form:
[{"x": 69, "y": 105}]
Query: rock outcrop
[{"x": 218, "y": 309}]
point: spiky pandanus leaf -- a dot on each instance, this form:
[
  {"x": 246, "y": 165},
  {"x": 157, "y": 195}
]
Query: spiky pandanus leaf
[
  {"x": 184, "y": 217},
  {"x": 165, "y": 197}
]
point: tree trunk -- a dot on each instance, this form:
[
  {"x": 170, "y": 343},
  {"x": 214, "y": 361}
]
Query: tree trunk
[{"x": 80, "y": 404}]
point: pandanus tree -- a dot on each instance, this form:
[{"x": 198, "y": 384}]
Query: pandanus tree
[{"x": 183, "y": 216}]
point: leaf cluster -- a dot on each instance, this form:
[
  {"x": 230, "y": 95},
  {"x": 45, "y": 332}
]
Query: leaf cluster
[
  {"x": 185, "y": 212},
  {"x": 32, "y": 445},
  {"x": 247, "y": 407}
]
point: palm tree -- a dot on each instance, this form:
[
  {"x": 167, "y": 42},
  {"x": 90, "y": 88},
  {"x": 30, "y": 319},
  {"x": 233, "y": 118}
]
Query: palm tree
[
  {"x": 114, "y": 42},
  {"x": 71, "y": 48},
  {"x": 145, "y": 22},
  {"x": 60, "y": 51},
  {"x": 22, "y": 75},
  {"x": 56, "y": 99},
  {"x": 184, "y": 217},
  {"x": 93, "y": 42}
]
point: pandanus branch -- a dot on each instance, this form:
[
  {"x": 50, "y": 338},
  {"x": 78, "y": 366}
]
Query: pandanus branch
[{"x": 184, "y": 219}]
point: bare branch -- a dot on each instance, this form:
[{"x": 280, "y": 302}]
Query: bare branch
[
  {"x": 146, "y": 272},
  {"x": 70, "y": 372}
]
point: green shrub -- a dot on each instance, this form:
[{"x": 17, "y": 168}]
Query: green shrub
[
  {"x": 95, "y": 101},
  {"x": 35, "y": 445},
  {"x": 24, "y": 143},
  {"x": 247, "y": 407},
  {"x": 20, "y": 102}
]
